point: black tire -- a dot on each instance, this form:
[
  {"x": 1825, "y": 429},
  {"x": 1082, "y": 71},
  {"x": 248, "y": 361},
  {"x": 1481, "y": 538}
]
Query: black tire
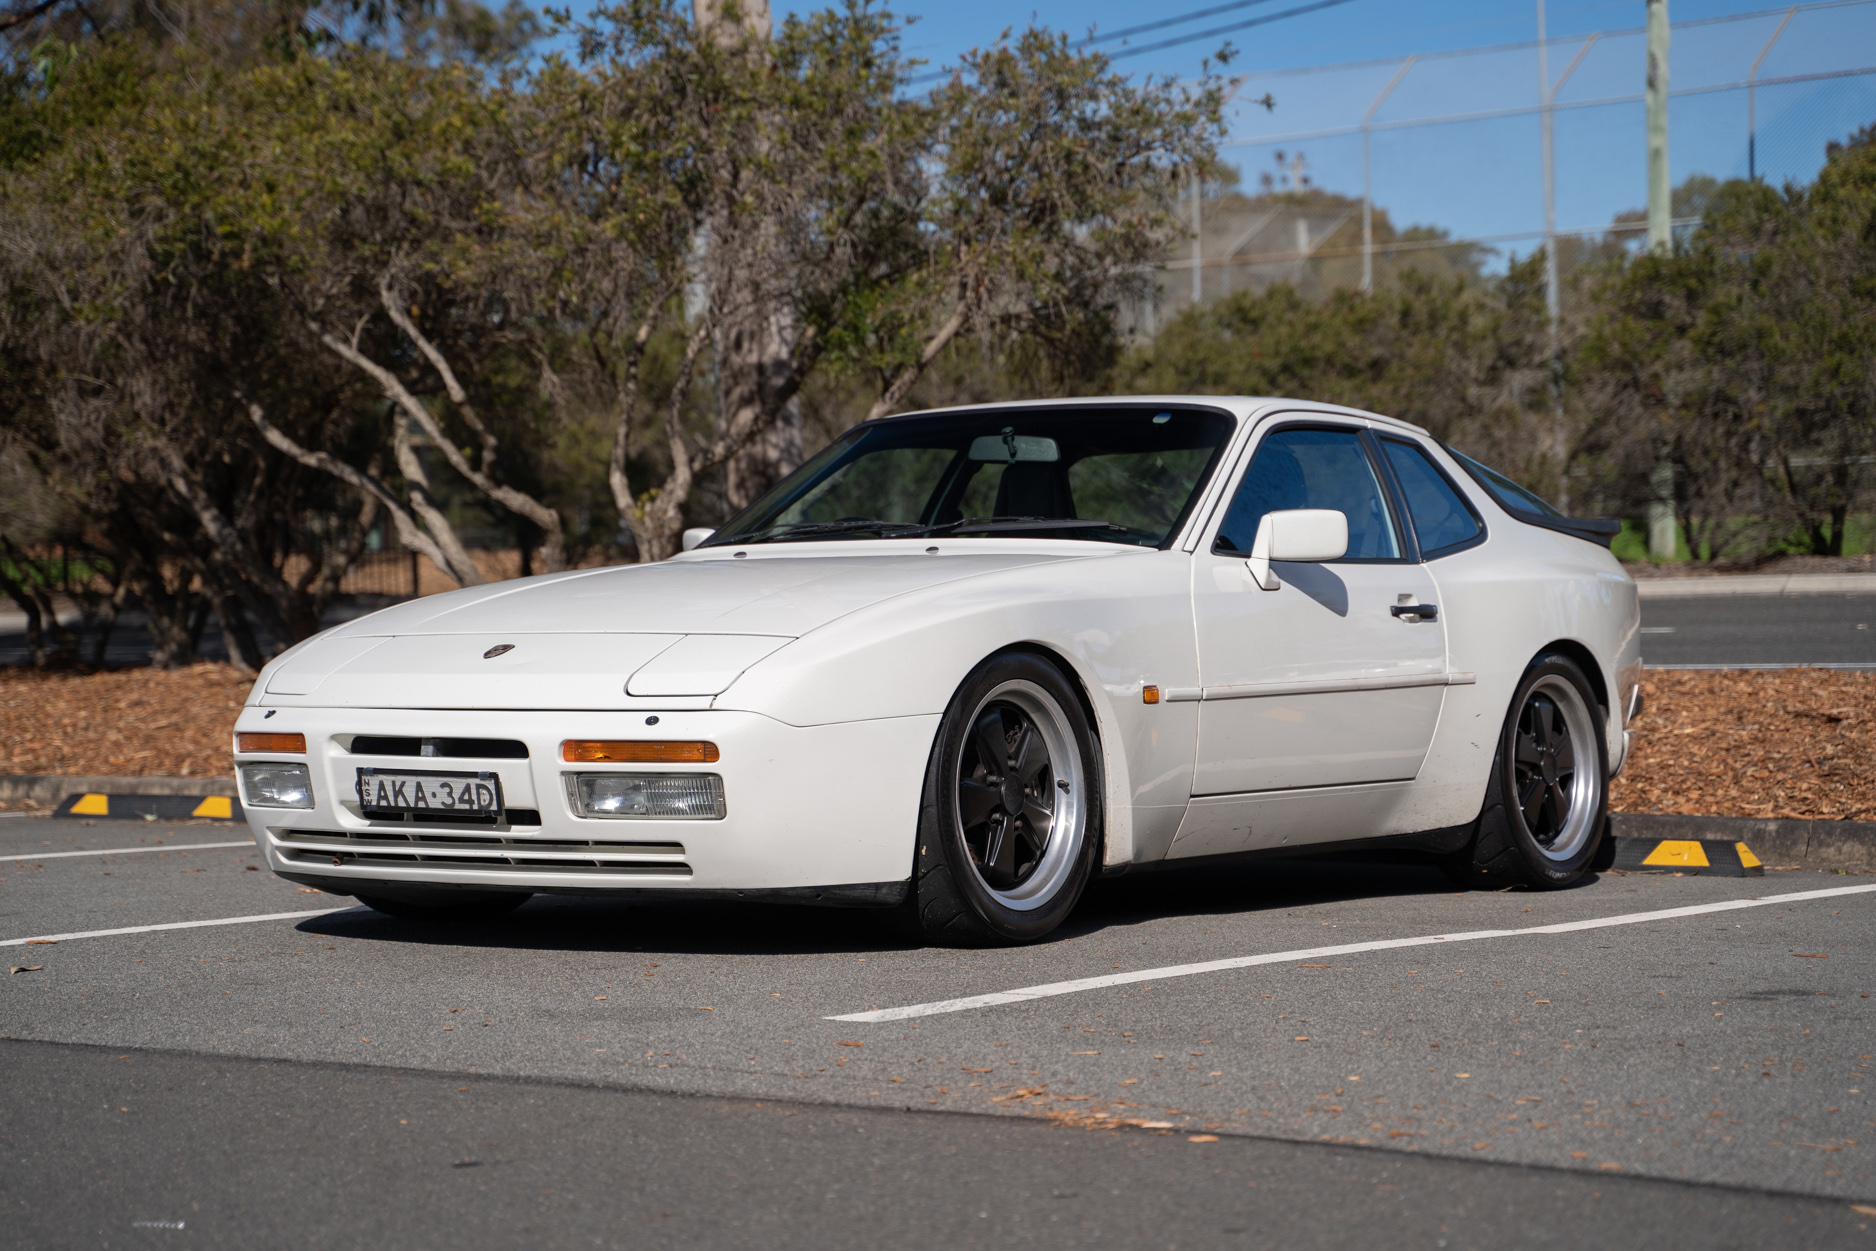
[
  {"x": 1546, "y": 812},
  {"x": 447, "y": 905},
  {"x": 984, "y": 873}
]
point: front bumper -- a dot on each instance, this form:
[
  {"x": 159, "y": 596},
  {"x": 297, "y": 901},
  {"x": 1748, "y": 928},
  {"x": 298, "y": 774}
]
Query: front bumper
[{"x": 819, "y": 814}]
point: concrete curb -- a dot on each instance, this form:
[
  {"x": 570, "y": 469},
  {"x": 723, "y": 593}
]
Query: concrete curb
[
  {"x": 1758, "y": 584},
  {"x": 1813, "y": 844},
  {"x": 48, "y": 789}
]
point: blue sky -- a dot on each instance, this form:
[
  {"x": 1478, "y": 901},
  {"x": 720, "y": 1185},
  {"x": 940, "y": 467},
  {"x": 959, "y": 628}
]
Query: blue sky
[{"x": 1483, "y": 177}]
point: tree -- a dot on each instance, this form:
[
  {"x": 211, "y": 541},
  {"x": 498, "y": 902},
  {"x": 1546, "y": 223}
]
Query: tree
[
  {"x": 1054, "y": 190},
  {"x": 1468, "y": 362},
  {"x": 1742, "y": 360}
]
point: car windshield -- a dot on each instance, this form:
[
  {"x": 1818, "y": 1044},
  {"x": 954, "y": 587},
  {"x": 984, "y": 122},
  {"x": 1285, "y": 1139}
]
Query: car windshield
[{"x": 1114, "y": 473}]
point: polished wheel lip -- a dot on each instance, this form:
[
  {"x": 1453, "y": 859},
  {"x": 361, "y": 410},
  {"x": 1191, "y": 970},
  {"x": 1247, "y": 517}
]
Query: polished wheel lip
[
  {"x": 1554, "y": 758},
  {"x": 1068, "y": 815}
]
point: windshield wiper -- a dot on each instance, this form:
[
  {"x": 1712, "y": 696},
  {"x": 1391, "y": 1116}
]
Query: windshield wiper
[
  {"x": 995, "y": 525},
  {"x": 812, "y": 529}
]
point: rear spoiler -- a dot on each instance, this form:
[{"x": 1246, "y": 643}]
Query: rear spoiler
[{"x": 1598, "y": 530}]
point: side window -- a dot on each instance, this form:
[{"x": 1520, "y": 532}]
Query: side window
[
  {"x": 1302, "y": 468},
  {"x": 1442, "y": 518}
]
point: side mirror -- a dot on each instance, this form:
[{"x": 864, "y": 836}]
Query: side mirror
[
  {"x": 1297, "y": 534},
  {"x": 697, "y": 534}
]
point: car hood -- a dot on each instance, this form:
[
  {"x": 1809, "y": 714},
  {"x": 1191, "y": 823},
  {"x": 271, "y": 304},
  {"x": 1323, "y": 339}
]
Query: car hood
[{"x": 684, "y": 627}]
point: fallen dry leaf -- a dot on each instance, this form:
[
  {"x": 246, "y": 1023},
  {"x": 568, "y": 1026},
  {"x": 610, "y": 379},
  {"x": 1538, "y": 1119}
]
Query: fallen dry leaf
[
  {"x": 1779, "y": 743},
  {"x": 1751, "y": 743},
  {"x": 1202, "y": 1138},
  {"x": 123, "y": 722},
  {"x": 26, "y": 968}
]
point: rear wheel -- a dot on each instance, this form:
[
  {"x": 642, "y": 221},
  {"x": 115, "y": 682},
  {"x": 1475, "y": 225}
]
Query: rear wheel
[
  {"x": 1011, "y": 818},
  {"x": 447, "y": 905},
  {"x": 1546, "y": 802}
]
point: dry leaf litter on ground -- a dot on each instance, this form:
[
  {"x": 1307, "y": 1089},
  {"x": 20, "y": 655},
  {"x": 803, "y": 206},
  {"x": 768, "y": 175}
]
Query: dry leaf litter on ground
[{"x": 1761, "y": 743}]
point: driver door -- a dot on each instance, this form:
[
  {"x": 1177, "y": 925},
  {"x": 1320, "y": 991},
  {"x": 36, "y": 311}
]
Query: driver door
[{"x": 1319, "y": 683}]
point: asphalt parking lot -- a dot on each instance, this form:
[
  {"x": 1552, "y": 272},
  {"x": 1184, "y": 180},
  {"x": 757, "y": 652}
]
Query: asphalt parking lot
[
  {"x": 593, "y": 1072},
  {"x": 1747, "y": 630}
]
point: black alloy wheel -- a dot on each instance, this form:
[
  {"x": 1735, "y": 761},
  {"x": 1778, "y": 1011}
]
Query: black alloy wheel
[
  {"x": 1006, "y": 795},
  {"x": 1010, "y": 824},
  {"x": 1545, "y": 814}
]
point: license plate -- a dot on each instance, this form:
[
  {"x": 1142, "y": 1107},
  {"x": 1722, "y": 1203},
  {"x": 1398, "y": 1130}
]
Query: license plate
[{"x": 402, "y": 792}]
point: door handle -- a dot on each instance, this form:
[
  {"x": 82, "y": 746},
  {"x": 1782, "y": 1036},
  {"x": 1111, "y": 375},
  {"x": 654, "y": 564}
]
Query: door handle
[{"x": 1421, "y": 612}]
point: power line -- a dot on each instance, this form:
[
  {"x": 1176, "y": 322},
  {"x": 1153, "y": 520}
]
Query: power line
[
  {"x": 1304, "y": 70},
  {"x": 1193, "y": 16},
  {"x": 1485, "y": 115},
  {"x": 1226, "y": 29},
  {"x": 1265, "y": 20}
]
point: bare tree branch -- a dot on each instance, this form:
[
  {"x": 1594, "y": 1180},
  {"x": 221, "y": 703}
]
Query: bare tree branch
[
  {"x": 902, "y": 382},
  {"x": 27, "y": 15},
  {"x": 553, "y": 542},
  {"x": 409, "y": 533}
]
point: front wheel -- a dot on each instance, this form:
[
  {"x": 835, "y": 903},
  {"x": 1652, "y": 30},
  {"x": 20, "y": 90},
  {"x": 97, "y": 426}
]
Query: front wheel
[
  {"x": 1547, "y": 800},
  {"x": 1010, "y": 822}
]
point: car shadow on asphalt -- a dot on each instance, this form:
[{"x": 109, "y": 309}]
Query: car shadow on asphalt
[{"x": 713, "y": 927}]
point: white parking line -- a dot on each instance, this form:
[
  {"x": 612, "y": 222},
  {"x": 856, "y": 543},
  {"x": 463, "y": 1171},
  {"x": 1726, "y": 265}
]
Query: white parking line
[
  {"x": 1025, "y": 993},
  {"x": 172, "y": 925},
  {"x": 129, "y": 851}
]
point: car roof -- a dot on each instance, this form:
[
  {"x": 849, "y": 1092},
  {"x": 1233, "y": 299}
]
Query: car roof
[{"x": 1243, "y": 406}]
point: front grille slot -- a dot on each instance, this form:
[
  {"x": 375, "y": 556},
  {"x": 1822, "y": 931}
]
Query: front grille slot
[
  {"x": 439, "y": 748},
  {"x": 383, "y": 848}
]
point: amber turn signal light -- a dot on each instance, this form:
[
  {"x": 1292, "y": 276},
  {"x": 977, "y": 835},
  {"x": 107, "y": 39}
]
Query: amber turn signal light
[
  {"x": 1149, "y": 694},
  {"x": 270, "y": 742},
  {"x": 628, "y": 751}
]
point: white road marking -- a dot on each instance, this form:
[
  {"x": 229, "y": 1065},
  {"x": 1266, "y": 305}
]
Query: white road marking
[
  {"x": 129, "y": 851},
  {"x": 1025, "y": 993},
  {"x": 172, "y": 925}
]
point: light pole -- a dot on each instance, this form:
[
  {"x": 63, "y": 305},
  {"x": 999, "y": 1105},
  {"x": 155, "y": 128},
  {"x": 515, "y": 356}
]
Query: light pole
[
  {"x": 1367, "y": 177},
  {"x": 1553, "y": 294},
  {"x": 1752, "y": 98}
]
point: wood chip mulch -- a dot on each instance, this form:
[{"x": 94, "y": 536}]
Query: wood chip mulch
[
  {"x": 1792, "y": 743},
  {"x": 1764, "y": 743},
  {"x": 123, "y": 722}
]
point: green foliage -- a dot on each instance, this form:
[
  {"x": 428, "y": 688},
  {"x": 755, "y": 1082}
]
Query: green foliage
[
  {"x": 1468, "y": 363},
  {"x": 1744, "y": 359}
]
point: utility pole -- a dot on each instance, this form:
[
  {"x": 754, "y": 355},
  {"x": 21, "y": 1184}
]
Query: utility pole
[
  {"x": 1660, "y": 194},
  {"x": 1661, "y": 530}
]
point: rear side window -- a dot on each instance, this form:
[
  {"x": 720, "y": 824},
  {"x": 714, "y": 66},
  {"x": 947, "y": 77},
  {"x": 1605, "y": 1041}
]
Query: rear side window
[
  {"x": 1442, "y": 518},
  {"x": 1514, "y": 497}
]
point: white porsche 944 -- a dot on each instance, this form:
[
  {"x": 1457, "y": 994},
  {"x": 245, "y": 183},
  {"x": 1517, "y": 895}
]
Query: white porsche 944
[{"x": 963, "y": 661}]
